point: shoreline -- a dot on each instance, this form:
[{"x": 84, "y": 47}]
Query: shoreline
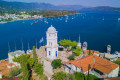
[{"x": 37, "y": 18}]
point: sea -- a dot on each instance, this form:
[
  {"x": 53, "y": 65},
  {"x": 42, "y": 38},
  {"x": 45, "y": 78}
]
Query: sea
[{"x": 97, "y": 28}]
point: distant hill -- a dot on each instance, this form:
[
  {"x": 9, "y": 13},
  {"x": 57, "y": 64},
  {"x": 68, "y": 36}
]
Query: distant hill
[
  {"x": 70, "y": 7},
  {"x": 102, "y": 8},
  {"x": 14, "y": 6}
]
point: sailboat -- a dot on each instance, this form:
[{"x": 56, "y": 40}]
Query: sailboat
[
  {"x": 9, "y": 47},
  {"x": 103, "y": 19},
  {"x": 118, "y": 19}
]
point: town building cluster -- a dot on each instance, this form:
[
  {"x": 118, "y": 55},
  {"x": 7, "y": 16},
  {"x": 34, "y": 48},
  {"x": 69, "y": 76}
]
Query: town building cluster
[
  {"x": 99, "y": 64},
  {"x": 12, "y": 17}
]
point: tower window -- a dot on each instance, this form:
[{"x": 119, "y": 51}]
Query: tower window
[
  {"x": 56, "y": 53},
  {"x": 49, "y": 53}
]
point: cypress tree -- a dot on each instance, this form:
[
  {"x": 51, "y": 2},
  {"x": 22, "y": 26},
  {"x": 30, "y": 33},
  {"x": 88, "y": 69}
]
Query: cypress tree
[
  {"x": 35, "y": 55},
  {"x": 24, "y": 67}
]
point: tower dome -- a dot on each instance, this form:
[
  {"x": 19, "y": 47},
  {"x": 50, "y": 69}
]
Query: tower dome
[{"x": 51, "y": 29}]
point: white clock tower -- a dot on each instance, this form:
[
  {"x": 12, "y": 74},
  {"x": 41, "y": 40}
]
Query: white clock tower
[{"x": 52, "y": 46}]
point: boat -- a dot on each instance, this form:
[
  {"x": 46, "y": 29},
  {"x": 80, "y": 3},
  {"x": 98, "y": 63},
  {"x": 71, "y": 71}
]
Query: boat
[
  {"x": 118, "y": 19},
  {"x": 103, "y": 19},
  {"x": 35, "y": 22}
]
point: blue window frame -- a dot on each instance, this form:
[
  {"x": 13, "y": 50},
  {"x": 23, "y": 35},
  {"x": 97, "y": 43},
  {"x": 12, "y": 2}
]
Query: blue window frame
[
  {"x": 49, "y": 53},
  {"x": 56, "y": 54},
  {"x": 76, "y": 68}
]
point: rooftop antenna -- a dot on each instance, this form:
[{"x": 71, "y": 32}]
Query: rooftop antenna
[{"x": 8, "y": 47}]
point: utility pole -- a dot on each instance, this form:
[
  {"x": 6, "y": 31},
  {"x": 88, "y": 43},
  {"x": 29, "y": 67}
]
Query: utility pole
[{"x": 88, "y": 71}]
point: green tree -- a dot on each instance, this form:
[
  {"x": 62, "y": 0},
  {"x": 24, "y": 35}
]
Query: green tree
[
  {"x": 23, "y": 60},
  {"x": 14, "y": 72},
  {"x": 56, "y": 63},
  {"x": 35, "y": 55},
  {"x": 90, "y": 52},
  {"x": 31, "y": 62},
  {"x": 78, "y": 51},
  {"x": 79, "y": 76},
  {"x": 59, "y": 76},
  {"x": 72, "y": 57},
  {"x": 74, "y": 44},
  {"x": 66, "y": 43},
  {"x": 38, "y": 68},
  {"x": 24, "y": 67},
  {"x": 93, "y": 77}
]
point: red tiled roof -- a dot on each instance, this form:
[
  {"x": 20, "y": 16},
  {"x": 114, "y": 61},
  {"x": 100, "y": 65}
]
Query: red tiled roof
[
  {"x": 11, "y": 64},
  {"x": 92, "y": 51},
  {"x": 118, "y": 59},
  {"x": 96, "y": 62},
  {"x": 3, "y": 67}
]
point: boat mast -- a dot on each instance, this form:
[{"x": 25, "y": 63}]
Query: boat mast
[
  {"x": 22, "y": 44},
  {"x": 79, "y": 38},
  {"x": 15, "y": 45},
  {"x": 8, "y": 47},
  {"x": 28, "y": 46},
  {"x": 36, "y": 44}
]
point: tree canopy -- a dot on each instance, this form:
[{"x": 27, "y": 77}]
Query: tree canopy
[
  {"x": 56, "y": 63},
  {"x": 38, "y": 68},
  {"x": 78, "y": 51},
  {"x": 68, "y": 43},
  {"x": 75, "y": 76},
  {"x": 72, "y": 57},
  {"x": 34, "y": 54}
]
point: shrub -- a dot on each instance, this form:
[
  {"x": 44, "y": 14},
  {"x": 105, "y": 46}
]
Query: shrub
[
  {"x": 78, "y": 51},
  {"x": 38, "y": 68},
  {"x": 72, "y": 57},
  {"x": 3, "y": 76},
  {"x": 59, "y": 76},
  {"x": 14, "y": 72},
  {"x": 56, "y": 63}
]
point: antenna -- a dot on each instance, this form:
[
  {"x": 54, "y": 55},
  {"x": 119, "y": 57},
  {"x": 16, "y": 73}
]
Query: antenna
[{"x": 8, "y": 47}]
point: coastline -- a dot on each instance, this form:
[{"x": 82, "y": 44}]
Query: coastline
[{"x": 37, "y": 18}]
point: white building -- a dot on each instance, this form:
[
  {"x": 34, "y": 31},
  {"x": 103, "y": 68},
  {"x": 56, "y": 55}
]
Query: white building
[
  {"x": 52, "y": 46},
  {"x": 100, "y": 67},
  {"x": 11, "y": 55},
  {"x": 84, "y": 47}
]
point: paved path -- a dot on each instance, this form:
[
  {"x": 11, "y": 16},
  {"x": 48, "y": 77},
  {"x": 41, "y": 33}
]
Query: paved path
[{"x": 48, "y": 69}]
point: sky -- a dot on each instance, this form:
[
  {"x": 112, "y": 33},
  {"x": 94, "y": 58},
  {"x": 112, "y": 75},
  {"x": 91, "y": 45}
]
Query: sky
[{"x": 92, "y": 3}]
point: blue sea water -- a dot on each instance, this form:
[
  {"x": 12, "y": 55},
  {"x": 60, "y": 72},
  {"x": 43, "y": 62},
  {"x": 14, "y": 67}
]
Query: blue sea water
[{"x": 98, "y": 28}]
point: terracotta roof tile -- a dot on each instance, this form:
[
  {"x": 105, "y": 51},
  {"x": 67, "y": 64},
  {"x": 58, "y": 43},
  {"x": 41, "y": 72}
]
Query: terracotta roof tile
[{"x": 96, "y": 62}]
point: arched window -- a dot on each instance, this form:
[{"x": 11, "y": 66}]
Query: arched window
[
  {"x": 49, "y": 53},
  {"x": 56, "y": 53}
]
